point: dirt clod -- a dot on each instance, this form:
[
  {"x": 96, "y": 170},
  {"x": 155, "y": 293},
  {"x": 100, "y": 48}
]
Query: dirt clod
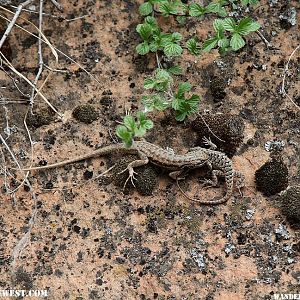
[
  {"x": 272, "y": 177},
  {"x": 217, "y": 88},
  {"x": 146, "y": 176},
  {"x": 85, "y": 113},
  {"x": 40, "y": 118},
  {"x": 290, "y": 204},
  {"x": 228, "y": 128}
]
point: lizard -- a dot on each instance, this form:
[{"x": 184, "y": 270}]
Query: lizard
[{"x": 196, "y": 157}]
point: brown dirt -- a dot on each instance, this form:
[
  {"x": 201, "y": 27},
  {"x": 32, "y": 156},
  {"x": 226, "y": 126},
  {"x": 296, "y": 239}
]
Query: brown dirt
[{"x": 89, "y": 240}]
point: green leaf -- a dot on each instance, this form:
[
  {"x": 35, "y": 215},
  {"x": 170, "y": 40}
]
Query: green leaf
[
  {"x": 147, "y": 124},
  {"x": 168, "y": 8},
  {"x": 144, "y": 124},
  {"x": 250, "y": 2},
  {"x": 175, "y": 70},
  {"x": 183, "y": 87},
  {"x": 237, "y": 42},
  {"x": 149, "y": 83},
  {"x": 161, "y": 81},
  {"x": 210, "y": 44},
  {"x": 142, "y": 48},
  {"x": 193, "y": 46},
  {"x": 187, "y": 107},
  {"x": 162, "y": 75},
  {"x": 145, "y": 30},
  {"x": 165, "y": 38},
  {"x": 229, "y": 24},
  {"x": 246, "y": 26},
  {"x": 154, "y": 46},
  {"x": 193, "y": 101},
  {"x": 155, "y": 101},
  {"x": 145, "y": 9},
  {"x": 176, "y": 37},
  {"x": 181, "y": 20},
  {"x": 224, "y": 43},
  {"x": 172, "y": 49},
  {"x": 176, "y": 103},
  {"x": 196, "y": 10},
  {"x": 218, "y": 25},
  {"x": 139, "y": 132},
  {"x": 125, "y": 135},
  {"x": 217, "y": 8},
  {"x": 151, "y": 21},
  {"x": 157, "y": 1},
  {"x": 180, "y": 116},
  {"x": 129, "y": 122}
]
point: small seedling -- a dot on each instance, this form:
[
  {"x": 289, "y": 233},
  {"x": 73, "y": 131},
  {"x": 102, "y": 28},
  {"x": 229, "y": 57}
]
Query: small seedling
[
  {"x": 235, "y": 39},
  {"x": 132, "y": 127},
  {"x": 193, "y": 46},
  {"x": 163, "y": 97},
  {"x": 184, "y": 106},
  {"x": 154, "y": 39}
]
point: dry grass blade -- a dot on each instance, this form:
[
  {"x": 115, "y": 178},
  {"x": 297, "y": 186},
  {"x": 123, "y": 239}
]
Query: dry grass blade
[
  {"x": 45, "y": 40},
  {"x": 285, "y": 72}
]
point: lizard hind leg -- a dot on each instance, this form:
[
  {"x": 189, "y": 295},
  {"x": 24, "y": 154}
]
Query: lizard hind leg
[
  {"x": 179, "y": 174},
  {"x": 213, "y": 182}
]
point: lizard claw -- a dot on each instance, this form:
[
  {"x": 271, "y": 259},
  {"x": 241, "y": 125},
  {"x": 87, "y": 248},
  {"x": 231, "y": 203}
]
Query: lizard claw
[
  {"x": 206, "y": 141},
  {"x": 207, "y": 183},
  {"x": 130, "y": 176}
]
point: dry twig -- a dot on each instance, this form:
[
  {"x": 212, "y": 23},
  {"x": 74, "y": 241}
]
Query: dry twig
[{"x": 285, "y": 72}]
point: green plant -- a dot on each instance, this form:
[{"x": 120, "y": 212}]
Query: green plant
[
  {"x": 184, "y": 106},
  {"x": 154, "y": 39},
  {"x": 163, "y": 97},
  {"x": 249, "y": 2},
  {"x": 234, "y": 40},
  {"x": 229, "y": 35},
  {"x": 146, "y": 8},
  {"x": 193, "y": 46},
  {"x": 237, "y": 30},
  {"x": 133, "y": 127}
]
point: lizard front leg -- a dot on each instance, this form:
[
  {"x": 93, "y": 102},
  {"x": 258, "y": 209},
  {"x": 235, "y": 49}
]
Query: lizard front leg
[
  {"x": 209, "y": 143},
  {"x": 136, "y": 163}
]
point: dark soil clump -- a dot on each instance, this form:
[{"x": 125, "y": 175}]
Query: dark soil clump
[
  {"x": 290, "y": 204},
  {"x": 272, "y": 177},
  {"x": 40, "y": 118},
  {"x": 85, "y": 113},
  {"x": 146, "y": 177},
  {"x": 228, "y": 131}
]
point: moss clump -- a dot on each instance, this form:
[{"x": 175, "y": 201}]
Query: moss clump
[
  {"x": 85, "y": 113},
  {"x": 272, "y": 177},
  {"x": 290, "y": 204},
  {"x": 217, "y": 88},
  {"x": 40, "y": 118},
  {"x": 146, "y": 177},
  {"x": 226, "y": 127}
]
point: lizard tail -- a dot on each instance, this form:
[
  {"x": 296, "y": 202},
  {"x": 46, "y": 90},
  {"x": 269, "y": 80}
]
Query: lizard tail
[
  {"x": 99, "y": 152},
  {"x": 229, "y": 174}
]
